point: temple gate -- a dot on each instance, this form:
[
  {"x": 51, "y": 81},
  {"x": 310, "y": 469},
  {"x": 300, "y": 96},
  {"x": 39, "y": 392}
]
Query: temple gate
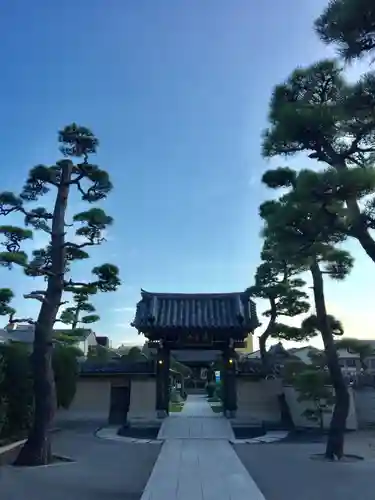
[{"x": 217, "y": 321}]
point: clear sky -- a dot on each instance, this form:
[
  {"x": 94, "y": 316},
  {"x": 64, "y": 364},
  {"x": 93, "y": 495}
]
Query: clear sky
[{"x": 177, "y": 92}]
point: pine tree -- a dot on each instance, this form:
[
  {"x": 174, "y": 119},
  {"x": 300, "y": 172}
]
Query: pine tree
[
  {"x": 349, "y": 24},
  {"x": 72, "y": 315},
  {"x": 316, "y": 111},
  {"x": 6, "y": 297},
  {"x": 53, "y": 263},
  {"x": 305, "y": 235},
  {"x": 276, "y": 281}
]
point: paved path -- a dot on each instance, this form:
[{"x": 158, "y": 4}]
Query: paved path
[
  {"x": 286, "y": 472},
  {"x": 104, "y": 470},
  {"x": 196, "y": 421},
  {"x": 196, "y": 461},
  {"x": 197, "y": 406}
]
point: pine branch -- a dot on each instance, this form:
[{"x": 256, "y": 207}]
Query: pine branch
[
  {"x": 73, "y": 284},
  {"x": 78, "y": 246},
  {"x": 13, "y": 320},
  {"x": 37, "y": 295}
]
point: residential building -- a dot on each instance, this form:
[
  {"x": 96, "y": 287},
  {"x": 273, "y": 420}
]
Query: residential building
[
  {"x": 103, "y": 341},
  {"x": 304, "y": 353},
  {"x": 248, "y": 345},
  {"x": 350, "y": 361},
  {"x": 253, "y": 355},
  {"x": 25, "y": 334},
  {"x": 275, "y": 350}
]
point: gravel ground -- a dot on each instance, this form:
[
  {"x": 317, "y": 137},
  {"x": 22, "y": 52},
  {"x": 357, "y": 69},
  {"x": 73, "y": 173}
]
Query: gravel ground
[
  {"x": 103, "y": 470},
  {"x": 285, "y": 472}
]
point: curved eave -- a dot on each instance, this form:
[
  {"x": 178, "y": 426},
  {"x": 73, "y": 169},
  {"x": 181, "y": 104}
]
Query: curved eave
[{"x": 148, "y": 330}]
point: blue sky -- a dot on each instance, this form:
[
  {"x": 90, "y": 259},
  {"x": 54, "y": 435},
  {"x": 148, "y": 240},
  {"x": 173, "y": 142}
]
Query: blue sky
[{"x": 177, "y": 92}]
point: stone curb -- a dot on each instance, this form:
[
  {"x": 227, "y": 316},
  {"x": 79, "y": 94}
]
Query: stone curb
[
  {"x": 110, "y": 433},
  {"x": 268, "y": 438},
  {"x": 11, "y": 446},
  {"x": 15, "y": 444}
]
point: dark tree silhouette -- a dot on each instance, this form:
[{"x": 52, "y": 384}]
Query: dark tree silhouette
[
  {"x": 306, "y": 234},
  {"x": 350, "y": 25},
  {"x": 53, "y": 263}
]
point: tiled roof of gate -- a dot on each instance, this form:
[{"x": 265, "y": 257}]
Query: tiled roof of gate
[{"x": 199, "y": 311}]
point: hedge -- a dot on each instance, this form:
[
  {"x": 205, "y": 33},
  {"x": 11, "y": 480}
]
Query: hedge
[{"x": 16, "y": 385}]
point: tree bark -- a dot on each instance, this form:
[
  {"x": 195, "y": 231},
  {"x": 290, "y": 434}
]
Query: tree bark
[
  {"x": 359, "y": 229},
  {"x": 76, "y": 318},
  {"x": 335, "y": 442},
  {"x": 264, "y": 356},
  {"x": 37, "y": 449}
]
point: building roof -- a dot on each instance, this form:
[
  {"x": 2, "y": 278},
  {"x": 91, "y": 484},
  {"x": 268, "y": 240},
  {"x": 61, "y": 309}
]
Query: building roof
[
  {"x": 309, "y": 348},
  {"x": 246, "y": 366},
  {"x": 369, "y": 342},
  {"x": 90, "y": 368},
  {"x": 219, "y": 311},
  {"x": 25, "y": 334}
]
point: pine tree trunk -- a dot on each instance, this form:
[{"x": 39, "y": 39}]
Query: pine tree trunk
[
  {"x": 37, "y": 449},
  {"x": 359, "y": 229},
  {"x": 264, "y": 356},
  {"x": 335, "y": 442},
  {"x": 76, "y": 318},
  {"x": 321, "y": 420},
  {"x": 263, "y": 350}
]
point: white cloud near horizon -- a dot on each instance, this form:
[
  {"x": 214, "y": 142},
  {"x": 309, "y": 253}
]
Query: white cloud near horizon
[
  {"x": 124, "y": 325},
  {"x": 125, "y": 309}
]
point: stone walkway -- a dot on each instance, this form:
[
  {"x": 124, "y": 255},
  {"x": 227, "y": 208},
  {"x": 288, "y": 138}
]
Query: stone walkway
[
  {"x": 197, "y": 406},
  {"x": 103, "y": 470},
  {"x": 196, "y": 461}
]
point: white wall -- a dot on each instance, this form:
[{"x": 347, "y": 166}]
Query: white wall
[
  {"x": 142, "y": 399},
  {"x": 258, "y": 400},
  {"x": 303, "y": 354},
  {"x": 89, "y": 341},
  {"x": 365, "y": 406},
  {"x": 91, "y": 402},
  {"x": 297, "y": 408}
]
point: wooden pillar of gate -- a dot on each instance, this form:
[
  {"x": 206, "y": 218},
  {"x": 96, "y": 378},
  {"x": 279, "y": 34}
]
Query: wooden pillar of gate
[
  {"x": 229, "y": 382},
  {"x": 162, "y": 381}
]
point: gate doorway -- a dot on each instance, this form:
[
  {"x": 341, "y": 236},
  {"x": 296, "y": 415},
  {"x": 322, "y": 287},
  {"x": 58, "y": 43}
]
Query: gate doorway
[
  {"x": 212, "y": 322},
  {"x": 119, "y": 404}
]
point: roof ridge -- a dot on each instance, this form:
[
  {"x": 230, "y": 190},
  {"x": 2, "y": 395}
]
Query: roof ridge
[{"x": 191, "y": 295}]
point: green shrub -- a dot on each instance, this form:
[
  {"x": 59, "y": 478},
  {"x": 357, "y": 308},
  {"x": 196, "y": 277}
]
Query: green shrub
[
  {"x": 219, "y": 390},
  {"x": 211, "y": 388},
  {"x": 17, "y": 389},
  {"x": 66, "y": 370},
  {"x": 312, "y": 387},
  {"x": 3, "y": 397},
  {"x": 175, "y": 396},
  {"x": 16, "y": 385}
]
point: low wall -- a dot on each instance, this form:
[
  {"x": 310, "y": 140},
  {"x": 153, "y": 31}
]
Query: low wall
[
  {"x": 142, "y": 399},
  {"x": 92, "y": 400},
  {"x": 258, "y": 400},
  {"x": 297, "y": 408},
  {"x": 365, "y": 406}
]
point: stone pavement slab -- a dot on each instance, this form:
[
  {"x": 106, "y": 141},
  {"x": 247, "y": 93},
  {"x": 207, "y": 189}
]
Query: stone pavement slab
[
  {"x": 196, "y": 428},
  {"x": 196, "y": 461},
  {"x": 104, "y": 470},
  {"x": 197, "y": 406},
  {"x": 286, "y": 472},
  {"x": 200, "y": 470}
]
